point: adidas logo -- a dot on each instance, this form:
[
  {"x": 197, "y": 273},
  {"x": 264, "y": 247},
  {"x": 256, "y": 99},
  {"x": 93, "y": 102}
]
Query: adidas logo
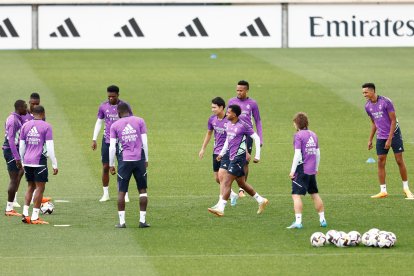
[
  {"x": 63, "y": 32},
  {"x": 311, "y": 142},
  {"x": 128, "y": 130},
  {"x": 10, "y": 28},
  {"x": 190, "y": 29},
  {"x": 127, "y": 31},
  {"x": 252, "y": 30},
  {"x": 33, "y": 132}
]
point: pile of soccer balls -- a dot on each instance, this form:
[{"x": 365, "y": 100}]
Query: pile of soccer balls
[
  {"x": 47, "y": 208},
  {"x": 374, "y": 238}
]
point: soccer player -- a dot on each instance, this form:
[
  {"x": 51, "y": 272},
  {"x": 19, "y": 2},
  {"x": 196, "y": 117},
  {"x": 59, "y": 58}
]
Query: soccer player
[
  {"x": 107, "y": 112},
  {"x": 131, "y": 134},
  {"x": 237, "y": 132},
  {"x": 217, "y": 123},
  {"x": 11, "y": 154},
  {"x": 250, "y": 111},
  {"x": 35, "y": 136},
  {"x": 304, "y": 169},
  {"x": 33, "y": 102},
  {"x": 384, "y": 122}
]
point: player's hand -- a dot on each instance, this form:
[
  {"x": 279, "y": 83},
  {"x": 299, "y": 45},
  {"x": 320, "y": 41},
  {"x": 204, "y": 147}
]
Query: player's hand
[
  {"x": 55, "y": 171},
  {"x": 292, "y": 175},
  {"x": 256, "y": 160},
  {"x": 218, "y": 158},
  {"x": 93, "y": 145},
  {"x": 248, "y": 156},
  {"x": 370, "y": 145},
  {"x": 19, "y": 164},
  {"x": 113, "y": 171},
  {"x": 146, "y": 164},
  {"x": 201, "y": 154},
  {"x": 388, "y": 144}
]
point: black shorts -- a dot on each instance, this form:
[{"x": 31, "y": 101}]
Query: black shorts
[
  {"x": 36, "y": 174},
  {"x": 236, "y": 166},
  {"x": 128, "y": 168},
  {"x": 249, "y": 144},
  {"x": 225, "y": 162},
  {"x": 10, "y": 161},
  {"x": 396, "y": 144},
  {"x": 105, "y": 151},
  {"x": 216, "y": 164},
  {"x": 304, "y": 183}
]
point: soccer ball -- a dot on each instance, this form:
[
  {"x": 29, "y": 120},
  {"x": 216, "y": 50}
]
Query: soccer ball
[
  {"x": 47, "y": 208},
  {"x": 373, "y": 239},
  {"x": 374, "y": 231},
  {"x": 354, "y": 238},
  {"x": 342, "y": 240},
  {"x": 385, "y": 240},
  {"x": 365, "y": 238},
  {"x": 393, "y": 237},
  {"x": 318, "y": 239},
  {"x": 331, "y": 236}
]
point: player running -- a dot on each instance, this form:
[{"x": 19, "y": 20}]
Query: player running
[
  {"x": 304, "y": 169},
  {"x": 11, "y": 154},
  {"x": 217, "y": 124},
  {"x": 384, "y": 122},
  {"x": 250, "y": 111},
  {"x": 35, "y": 136},
  {"x": 107, "y": 112},
  {"x": 237, "y": 132},
  {"x": 131, "y": 134}
]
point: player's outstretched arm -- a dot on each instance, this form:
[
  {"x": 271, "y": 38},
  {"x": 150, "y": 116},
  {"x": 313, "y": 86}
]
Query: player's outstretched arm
[
  {"x": 256, "y": 139},
  {"x": 205, "y": 143},
  {"x": 97, "y": 129},
  {"x": 50, "y": 147}
]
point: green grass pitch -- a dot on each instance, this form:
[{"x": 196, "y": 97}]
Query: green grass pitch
[{"x": 171, "y": 90}]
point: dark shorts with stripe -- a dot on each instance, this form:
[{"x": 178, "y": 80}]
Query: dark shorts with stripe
[
  {"x": 396, "y": 144},
  {"x": 222, "y": 164},
  {"x": 36, "y": 174},
  {"x": 304, "y": 183},
  {"x": 10, "y": 161},
  {"x": 105, "y": 151},
  {"x": 128, "y": 168},
  {"x": 236, "y": 166}
]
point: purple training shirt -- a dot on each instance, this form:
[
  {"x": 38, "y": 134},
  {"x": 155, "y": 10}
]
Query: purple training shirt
[
  {"x": 236, "y": 136},
  {"x": 109, "y": 113},
  {"x": 307, "y": 142},
  {"x": 379, "y": 114},
  {"x": 128, "y": 131},
  {"x": 219, "y": 127},
  {"x": 250, "y": 111},
  {"x": 12, "y": 130},
  {"x": 35, "y": 133}
]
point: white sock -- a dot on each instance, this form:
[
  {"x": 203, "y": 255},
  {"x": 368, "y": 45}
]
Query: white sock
[
  {"x": 241, "y": 190},
  {"x": 233, "y": 194},
  {"x": 126, "y": 195},
  {"x": 15, "y": 196},
  {"x": 9, "y": 206},
  {"x": 222, "y": 204},
  {"x": 142, "y": 215},
  {"x": 321, "y": 216},
  {"x": 405, "y": 185},
  {"x": 35, "y": 214},
  {"x": 121, "y": 215},
  {"x": 25, "y": 210},
  {"x": 258, "y": 198},
  {"x": 383, "y": 188},
  {"x": 106, "y": 190},
  {"x": 298, "y": 218}
]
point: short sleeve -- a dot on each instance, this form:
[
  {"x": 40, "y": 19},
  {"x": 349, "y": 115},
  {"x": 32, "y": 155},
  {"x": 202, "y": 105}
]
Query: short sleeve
[{"x": 101, "y": 113}]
